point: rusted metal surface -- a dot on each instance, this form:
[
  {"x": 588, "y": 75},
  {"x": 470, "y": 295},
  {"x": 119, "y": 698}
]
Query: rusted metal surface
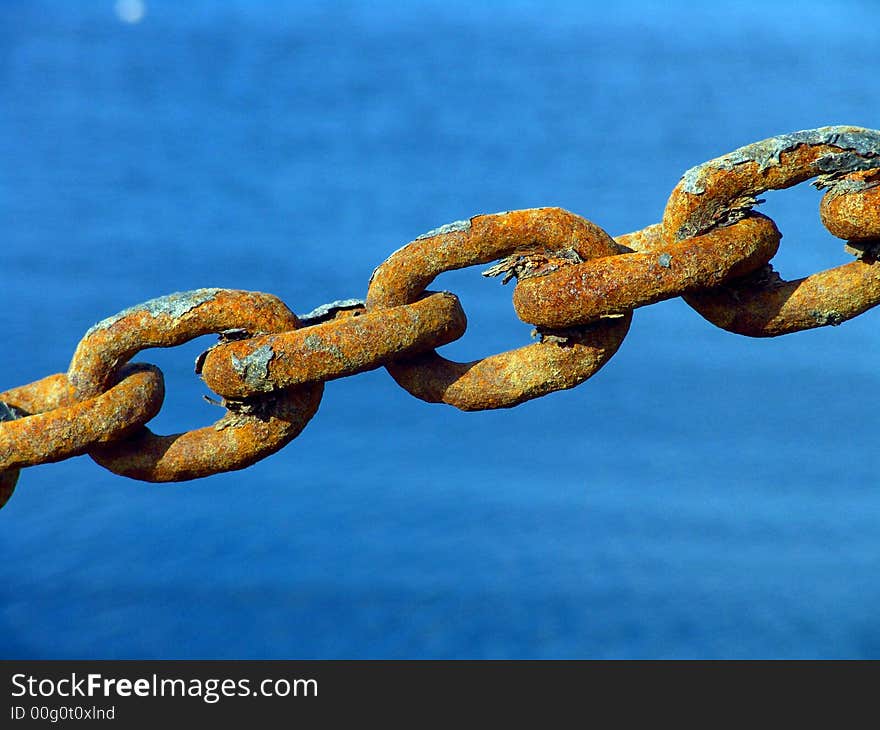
[
  {"x": 537, "y": 231},
  {"x": 236, "y": 441},
  {"x": 252, "y": 430},
  {"x": 340, "y": 347},
  {"x": 8, "y": 477},
  {"x": 169, "y": 321},
  {"x": 576, "y": 283},
  {"x": 725, "y": 189},
  {"x": 535, "y": 241},
  {"x": 560, "y": 361},
  {"x": 649, "y": 238},
  {"x": 62, "y": 432},
  {"x": 50, "y": 392},
  {"x": 616, "y": 284},
  {"x": 851, "y": 208},
  {"x": 764, "y": 305}
]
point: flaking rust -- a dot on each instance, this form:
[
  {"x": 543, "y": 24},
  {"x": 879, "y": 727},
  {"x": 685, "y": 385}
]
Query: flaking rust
[
  {"x": 851, "y": 208},
  {"x": 167, "y": 322},
  {"x": 330, "y": 310},
  {"x": 864, "y": 143},
  {"x": 253, "y": 368},
  {"x": 707, "y": 194},
  {"x": 454, "y": 227},
  {"x": 719, "y": 191},
  {"x": 340, "y": 347},
  {"x": 584, "y": 293},
  {"x": 170, "y": 321},
  {"x": 575, "y": 283},
  {"x": 509, "y": 378},
  {"x": 170, "y": 305}
]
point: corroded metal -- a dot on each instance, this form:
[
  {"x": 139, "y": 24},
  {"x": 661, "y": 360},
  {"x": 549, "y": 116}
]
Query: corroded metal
[
  {"x": 764, "y": 305},
  {"x": 559, "y": 361},
  {"x": 333, "y": 349},
  {"x": 724, "y": 190},
  {"x": 851, "y": 207},
  {"x": 169, "y": 321},
  {"x": 62, "y": 432},
  {"x": 540, "y": 239},
  {"x": 50, "y": 392},
  {"x": 250, "y": 431},
  {"x": 8, "y": 477},
  {"x": 616, "y": 284},
  {"x": 649, "y": 238},
  {"x": 576, "y": 283},
  {"x": 236, "y": 441}
]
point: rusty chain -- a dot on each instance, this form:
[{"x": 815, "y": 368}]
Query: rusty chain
[{"x": 575, "y": 283}]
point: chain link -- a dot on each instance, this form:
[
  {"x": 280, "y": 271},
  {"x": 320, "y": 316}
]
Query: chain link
[{"x": 577, "y": 284}]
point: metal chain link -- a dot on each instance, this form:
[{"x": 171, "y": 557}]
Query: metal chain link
[{"x": 577, "y": 284}]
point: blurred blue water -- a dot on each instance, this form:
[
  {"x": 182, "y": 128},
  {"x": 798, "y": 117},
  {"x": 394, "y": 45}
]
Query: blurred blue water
[{"x": 704, "y": 495}]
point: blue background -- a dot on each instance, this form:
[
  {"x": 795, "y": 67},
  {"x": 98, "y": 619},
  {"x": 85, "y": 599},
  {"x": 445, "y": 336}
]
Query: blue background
[{"x": 704, "y": 495}]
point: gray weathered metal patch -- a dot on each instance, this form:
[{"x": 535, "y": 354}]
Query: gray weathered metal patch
[{"x": 172, "y": 305}]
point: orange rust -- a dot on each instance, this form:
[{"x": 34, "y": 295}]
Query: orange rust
[
  {"x": 52, "y": 435},
  {"x": 724, "y": 188},
  {"x": 761, "y": 305},
  {"x": 649, "y": 238},
  {"x": 510, "y": 378},
  {"x": 855, "y": 215},
  {"x": 42, "y": 395},
  {"x": 258, "y": 428},
  {"x": 234, "y": 442},
  {"x": 585, "y": 292},
  {"x": 411, "y": 269},
  {"x": 169, "y": 321},
  {"x": 343, "y": 346},
  {"x": 8, "y": 477}
]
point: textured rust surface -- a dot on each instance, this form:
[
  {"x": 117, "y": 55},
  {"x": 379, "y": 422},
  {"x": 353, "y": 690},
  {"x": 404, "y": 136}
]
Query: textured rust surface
[
  {"x": 763, "y": 305},
  {"x": 41, "y": 395},
  {"x": 549, "y": 235},
  {"x": 234, "y": 442},
  {"x": 725, "y": 189},
  {"x": 168, "y": 321},
  {"x": 344, "y": 346},
  {"x": 853, "y": 212},
  {"x": 616, "y": 284},
  {"x": 576, "y": 283},
  {"x": 409, "y": 270},
  {"x": 717, "y": 191},
  {"x": 8, "y": 477},
  {"x": 256, "y": 429},
  {"x": 649, "y": 238},
  {"x": 67, "y": 431},
  {"x": 506, "y": 380}
]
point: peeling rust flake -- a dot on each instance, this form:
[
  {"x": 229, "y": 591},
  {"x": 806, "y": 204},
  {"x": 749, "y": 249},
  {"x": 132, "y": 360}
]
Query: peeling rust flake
[
  {"x": 864, "y": 143},
  {"x": 327, "y": 311},
  {"x": 455, "y": 226},
  {"x": 523, "y": 238},
  {"x": 172, "y": 305},
  {"x": 340, "y": 347},
  {"x": 254, "y": 367}
]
